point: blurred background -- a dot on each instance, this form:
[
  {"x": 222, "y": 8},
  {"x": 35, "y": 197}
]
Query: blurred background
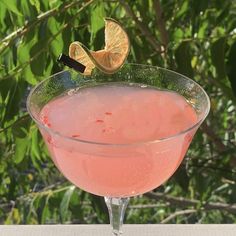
[{"x": 196, "y": 38}]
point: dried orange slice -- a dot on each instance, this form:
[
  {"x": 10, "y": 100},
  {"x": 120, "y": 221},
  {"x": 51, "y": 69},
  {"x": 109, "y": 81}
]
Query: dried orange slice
[{"x": 109, "y": 59}]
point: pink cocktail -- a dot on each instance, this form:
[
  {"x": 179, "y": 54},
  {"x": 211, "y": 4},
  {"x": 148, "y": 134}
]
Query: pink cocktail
[
  {"x": 118, "y": 135},
  {"x": 121, "y": 114}
]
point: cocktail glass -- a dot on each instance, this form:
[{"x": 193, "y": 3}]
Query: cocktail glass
[{"x": 118, "y": 171}]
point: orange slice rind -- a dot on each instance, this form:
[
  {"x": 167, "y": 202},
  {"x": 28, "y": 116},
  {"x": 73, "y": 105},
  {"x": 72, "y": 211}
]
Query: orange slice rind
[{"x": 111, "y": 58}]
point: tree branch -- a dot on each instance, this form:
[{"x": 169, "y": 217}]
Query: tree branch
[
  {"x": 219, "y": 84},
  {"x": 142, "y": 27},
  {"x": 15, "y": 122},
  {"x": 145, "y": 206},
  {"x": 211, "y": 134},
  {"x": 212, "y": 167},
  {"x": 182, "y": 202},
  {"x": 178, "y": 213},
  {"x": 161, "y": 25},
  {"x": 21, "y": 31},
  {"x": 51, "y": 189},
  {"x": 22, "y": 66}
]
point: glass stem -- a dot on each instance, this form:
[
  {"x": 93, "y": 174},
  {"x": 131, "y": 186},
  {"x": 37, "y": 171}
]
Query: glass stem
[{"x": 116, "y": 208}]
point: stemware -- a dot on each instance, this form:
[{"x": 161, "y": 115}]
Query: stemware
[{"x": 117, "y": 171}]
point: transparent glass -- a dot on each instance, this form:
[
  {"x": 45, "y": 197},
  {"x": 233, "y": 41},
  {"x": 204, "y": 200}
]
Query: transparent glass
[{"x": 128, "y": 169}]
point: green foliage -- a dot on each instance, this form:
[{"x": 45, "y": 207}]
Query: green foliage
[
  {"x": 201, "y": 44},
  {"x": 231, "y": 67},
  {"x": 183, "y": 58}
]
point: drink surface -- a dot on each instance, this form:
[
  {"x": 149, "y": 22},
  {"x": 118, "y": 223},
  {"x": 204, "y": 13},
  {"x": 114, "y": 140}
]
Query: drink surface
[{"x": 118, "y": 114}]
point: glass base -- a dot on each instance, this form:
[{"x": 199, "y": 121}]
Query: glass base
[{"x": 116, "y": 208}]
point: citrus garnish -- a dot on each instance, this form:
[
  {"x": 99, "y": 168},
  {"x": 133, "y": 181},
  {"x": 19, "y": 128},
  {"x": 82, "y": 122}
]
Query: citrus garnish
[{"x": 109, "y": 59}]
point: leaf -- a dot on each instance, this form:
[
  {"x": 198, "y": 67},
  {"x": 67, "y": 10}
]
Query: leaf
[
  {"x": 28, "y": 11},
  {"x": 20, "y": 149},
  {"x": 24, "y": 57},
  {"x": 182, "y": 178},
  {"x": 25, "y": 8},
  {"x": 53, "y": 25},
  {"x": 198, "y": 6},
  {"x": 14, "y": 100},
  {"x": 2, "y": 14},
  {"x": 36, "y": 153},
  {"x": 184, "y": 7},
  {"x": 45, "y": 5},
  {"x": 218, "y": 56},
  {"x": 56, "y": 46},
  {"x": 20, "y": 128},
  {"x": 67, "y": 37},
  {"x": 178, "y": 34},
  {"x": 13, "y": 217},
  {"x": 7, "y": 62},
  {"x": 54, "y": 3},
  {"x": 183, "y": 59},
  {"x": 23, "y": 52},
  {"x": 41, "y": 206},
  {"x": 98, "y": 41},
  {"x": 203, "y": 29},
  {"x": 48, "y": 68},
  {"x": 35, "y": 149},
  {"x": 35, "y": 3},
  {"x": 38, "y": 65},
  {"x": 143, "y": 6},
  {"x": 45, "y": 212},
  {"x": 65, "y": 203},
  {"x": 224, "y": 13},
  {"x": 231, "y": 67},
  {"x": 12, "y": 6},
  {"x": 5, "y": 87},
  {"x": 99, "y": 207},
  {"x": 97, "y": 19}
]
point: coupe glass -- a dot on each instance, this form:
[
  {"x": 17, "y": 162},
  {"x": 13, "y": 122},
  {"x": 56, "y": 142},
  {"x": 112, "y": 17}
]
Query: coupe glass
[{"x": 128, "y": 169}]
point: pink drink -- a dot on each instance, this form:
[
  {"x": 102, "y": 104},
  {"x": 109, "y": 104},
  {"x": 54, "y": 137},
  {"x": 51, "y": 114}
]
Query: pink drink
[{"x": 132, "y": 118}]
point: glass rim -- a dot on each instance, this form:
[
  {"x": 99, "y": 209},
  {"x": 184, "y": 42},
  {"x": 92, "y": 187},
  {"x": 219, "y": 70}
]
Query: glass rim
[{"x": 54, "y": 132}]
